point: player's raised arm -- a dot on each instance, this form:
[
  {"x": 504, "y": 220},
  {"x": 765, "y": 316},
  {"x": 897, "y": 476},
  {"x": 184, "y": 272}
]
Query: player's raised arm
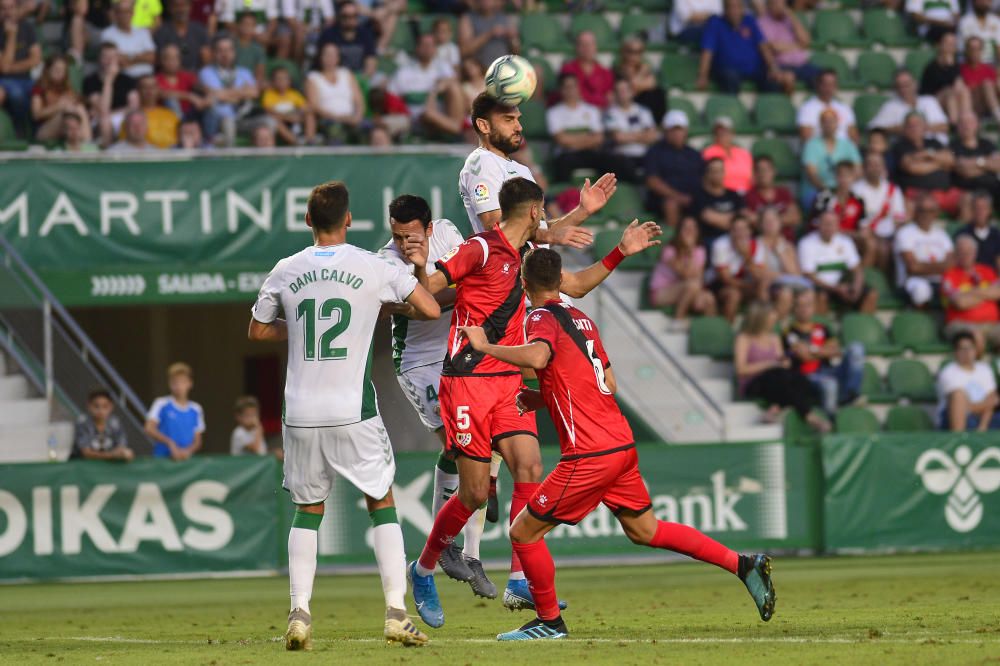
[
  {"x": 534, "y": 355},
  {"x": 423, "y": 304},
  {"x": 636, "y": 238},
  {"x": 566, "y": 230},
  {"x": 415, "y": 249}
]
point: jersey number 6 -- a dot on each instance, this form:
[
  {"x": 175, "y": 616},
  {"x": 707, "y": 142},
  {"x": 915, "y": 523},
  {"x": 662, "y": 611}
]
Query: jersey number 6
[
  {"x": 307, "y": 313},
  {"x": 598, "y": 368}
]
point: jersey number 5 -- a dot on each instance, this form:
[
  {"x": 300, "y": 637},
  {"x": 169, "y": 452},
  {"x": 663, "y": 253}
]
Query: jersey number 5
[
  {"x": 598, "y": 368},
  {"x": 308, "y": 314}
]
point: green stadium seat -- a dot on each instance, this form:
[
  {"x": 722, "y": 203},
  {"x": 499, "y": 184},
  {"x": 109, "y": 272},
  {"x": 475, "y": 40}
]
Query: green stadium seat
[
  {"x": 402, "y": 37},
  {"x": 7, "y": 132},
  {"x": 876, "y": 68},
  {"x": 549, "y": 77},
  {"x": 796, "y": 430},
  {"x": 606, "y": 239},
  {"x": 887, "y": 28},
  {"x": 887, "y": 299},
  {"x": 786, "y": 162},
  {"x": 908, "y": 418},
  {"x": 836, "y": 62},
  {"x": 637, "y": 24},
  {"x": 533, "y": 120},
  {"x": 696, "y": 126},
  {"x": 916, "y": 61},
  {"x": 607, "y": 40},
  {"x": 866, "y": 329},
  {"x": 427, "y": 22},
  {"x": 865, "y": 108},
  {"x": 544, "y": 33},
  {"x": 711, "y": 336},
  {"x": 774, "y": 111},
  {"x": 678, "y": 70},
  {"x": 872, "y": 388},
  {"x": 856, "y": 420},
  {"x": 293, "y": 69},
  {"x": 909, "y": 378},
  {"x": 918, "y": 332},
  {"x": 625, "y": 206},
  {"x": 729, "y": 106},
  {"x": 833, "y": 27}
]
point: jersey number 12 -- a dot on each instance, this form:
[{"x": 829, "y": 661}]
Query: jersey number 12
[{"x": 307, "y": 312}]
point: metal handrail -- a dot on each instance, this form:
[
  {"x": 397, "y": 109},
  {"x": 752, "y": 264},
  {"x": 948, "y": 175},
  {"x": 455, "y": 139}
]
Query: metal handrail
[{"x": 53, "y": 310}]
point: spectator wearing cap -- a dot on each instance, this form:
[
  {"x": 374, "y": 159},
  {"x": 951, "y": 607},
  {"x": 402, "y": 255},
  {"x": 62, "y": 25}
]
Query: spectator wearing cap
[
  {"x": 766, "y": 193},
  {"x": 737, "y": 160},
  {"x": 971, "y": 291},
  {"x": 354, "y": 37},
  {"x": 984, "y": 230},
  {"x": 136, "y": 50},
  {"x": 673, "y": 169},
  {"x": 689, "y": 17},
  {"x": 884, "y": 207},
  {"x": 942, "y": 79},
  {"x": 977, "y": 161},
  {"x": 629, "y": 125},
  {"x": 924, "y": 251},
  {"x": 714, "y": 205},
  {"x": 892, "y": 114},
  {"x": 925, "y": 165},
  {"x": 20, "y": 52},
  {"x": 733, "y": 50},
  {"x": 830, "y": 260},
  {"x": 967, "y": 390},
  {"x": 825, "y": 99},
  {"x": 596, "y": 81},
  {"x": 578, "y": 136},
  {"x": 821, "y": 154},
  {"x": 789, "y": 40},
  {"x": 189, "y": 37}
]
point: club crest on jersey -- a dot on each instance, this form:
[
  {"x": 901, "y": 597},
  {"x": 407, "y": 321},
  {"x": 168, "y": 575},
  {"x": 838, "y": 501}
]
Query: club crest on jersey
[
  {"x": 481, "y": 192},
  {"x": 464, "y": 438}
]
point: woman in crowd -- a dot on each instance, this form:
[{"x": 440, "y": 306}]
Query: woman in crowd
[
  {"x": 632, "y": 66},
  {"x": 763, "y": 371},
  {"x": 53, "y": 97},
  {"x": 333, "y": 93},
  {"x": 679, "y": 277}
]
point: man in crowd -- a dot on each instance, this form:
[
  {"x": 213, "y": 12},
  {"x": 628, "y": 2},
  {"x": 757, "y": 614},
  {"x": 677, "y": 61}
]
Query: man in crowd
[
  {"x": 984, "y": 230},
  {"x": 884, "y": 207},
  {"x": 134, "y": 131},
  {"x": 430, "y": 90},
  {"x": 826, "y": 98},
  {"x": 738, "y": 273},
  {"x": 733, "y": 50},
  {"x": 188, "y": 36},
  {"x": 894, "y": 112},
  {"x": 596, "y": 80},
  {"x": 737, "y": 160},
  {"x": 99, "y": 434},
  {"x": 19, "y": 54},
  {"x": 136, "y": 50},
  {"x": 714, "y": 205},
  {"x": 967, "y": 391},
  {"x": 981, "y": 22},
  {"x": 766, "y": 193},
  {"x": 629, "y": 125},
  {"x": 355, "y": 39},
  {"x": 830, "y": 260},
  {"x": 971, "y": 292},
  {"x": 231, "y": 90},
  {"x": 924, "y": 251},
  {"x": 107, "y": 90},
  {"x": 977, "y": 161},
  {"x": 673, "y": 170},
  {"x": 812, "y": 348},
  {"x": 925, "y": 164}
]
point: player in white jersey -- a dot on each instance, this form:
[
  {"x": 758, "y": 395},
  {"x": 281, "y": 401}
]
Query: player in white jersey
[
  {"x": 418, "y": 351},
  {"x": 331, "y": 294},
  {"x": 489, "y": 166}
]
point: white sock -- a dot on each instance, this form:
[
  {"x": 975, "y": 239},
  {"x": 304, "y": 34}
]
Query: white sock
[
  {"x": 387, "y": 540},
  {"x": 516, "y": 575},
  {"x": 302, "y": 546},
  {"x": 495, "y": 461},
  {"x": 473, "y": 533},
  {"x": 445, "y": 485}
]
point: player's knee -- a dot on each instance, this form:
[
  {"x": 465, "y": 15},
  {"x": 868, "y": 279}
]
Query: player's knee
[
  {"x": 529, "y": 471},
  {"x": 473, "y": 494}
]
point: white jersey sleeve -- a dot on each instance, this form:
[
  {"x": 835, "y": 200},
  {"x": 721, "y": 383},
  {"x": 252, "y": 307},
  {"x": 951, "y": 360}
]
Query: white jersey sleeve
[
  {"x": 268, "y": 304},
  {"x": 397, "y": 283}
]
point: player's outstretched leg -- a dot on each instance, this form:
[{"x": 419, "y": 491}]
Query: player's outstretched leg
[
  {"x": 527, "y": 537},
  {"x": 302, "y": 549},
  {"x": 754, "y": 570},
  {"x": 448, "y": 522},
  {"x": 387, "y": 541}
]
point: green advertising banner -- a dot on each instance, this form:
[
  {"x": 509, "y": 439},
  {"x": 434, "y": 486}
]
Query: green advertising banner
[
  {"x": 90, "y": 518},
  {"x": 749, "y": 496},
  {"x": 911, "y": 491},
  {"x": 183, "y": 230}
]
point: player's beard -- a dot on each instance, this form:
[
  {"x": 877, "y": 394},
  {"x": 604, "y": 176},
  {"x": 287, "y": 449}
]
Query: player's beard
[{"x": 507, "y": 145}]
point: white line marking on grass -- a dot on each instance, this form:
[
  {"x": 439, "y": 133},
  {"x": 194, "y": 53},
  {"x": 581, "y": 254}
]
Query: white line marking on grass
[{"x": 835, "y": 640}]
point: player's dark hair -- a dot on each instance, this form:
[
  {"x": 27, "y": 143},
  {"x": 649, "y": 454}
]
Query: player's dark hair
[
  {"x": 962, "y": 335},
  {"x": 484, "y": 106},
  {"x": 99, "y": 392},
  {"x": 542, "y": 269},
  {"x": 328, "y": 206},
  {"x": 409, "y": 207},
  {"x": 517, "y": 192}
]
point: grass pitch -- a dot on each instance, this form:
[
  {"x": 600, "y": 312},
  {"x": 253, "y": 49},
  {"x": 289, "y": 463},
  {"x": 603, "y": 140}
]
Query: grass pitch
[{"x": 917, "y": 609}]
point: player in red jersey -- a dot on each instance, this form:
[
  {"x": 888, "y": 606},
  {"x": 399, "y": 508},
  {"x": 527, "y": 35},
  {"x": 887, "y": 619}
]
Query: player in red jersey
[
  {"x": 599, "y": 462},
  {"x": 477, "y": 392}
]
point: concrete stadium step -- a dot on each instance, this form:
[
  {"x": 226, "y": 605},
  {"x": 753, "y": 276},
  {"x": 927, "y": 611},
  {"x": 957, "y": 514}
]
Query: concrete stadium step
[
  {"x": 703, "y": 367},
  {"x": 14, "y": 387},
  {"x": 721, "y": 390},
  {"x": 23, "y": 412},
  {"x": 30, "y": 443}
]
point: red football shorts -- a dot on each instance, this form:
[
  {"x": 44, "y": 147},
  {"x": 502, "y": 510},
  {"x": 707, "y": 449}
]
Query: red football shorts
[
  {"x": 575, "y": 487},
  {"x": 477, "y": 412}
]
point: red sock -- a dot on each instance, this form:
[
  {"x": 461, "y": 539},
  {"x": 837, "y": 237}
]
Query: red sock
[
  {"x": 691, "y": 542},
  {"x": 518, "y": 500},
  {"x": 450, "y": 520},
  {"x": 540, "y": 571}
]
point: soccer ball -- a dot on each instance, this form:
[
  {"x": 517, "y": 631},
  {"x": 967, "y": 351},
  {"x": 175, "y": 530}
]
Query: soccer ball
[{"x": 511, "y": 80}]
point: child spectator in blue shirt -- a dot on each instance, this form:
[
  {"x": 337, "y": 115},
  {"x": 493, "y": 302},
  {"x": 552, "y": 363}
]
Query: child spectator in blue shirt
[{"x": 175, "y": 423}]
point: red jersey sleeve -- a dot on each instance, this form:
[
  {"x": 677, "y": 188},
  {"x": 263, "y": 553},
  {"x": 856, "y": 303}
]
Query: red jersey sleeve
[
  {"x": 542, "y": 327},
  {"x": 467, "y": 258},
  {"x": 601, "y": 353}
]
